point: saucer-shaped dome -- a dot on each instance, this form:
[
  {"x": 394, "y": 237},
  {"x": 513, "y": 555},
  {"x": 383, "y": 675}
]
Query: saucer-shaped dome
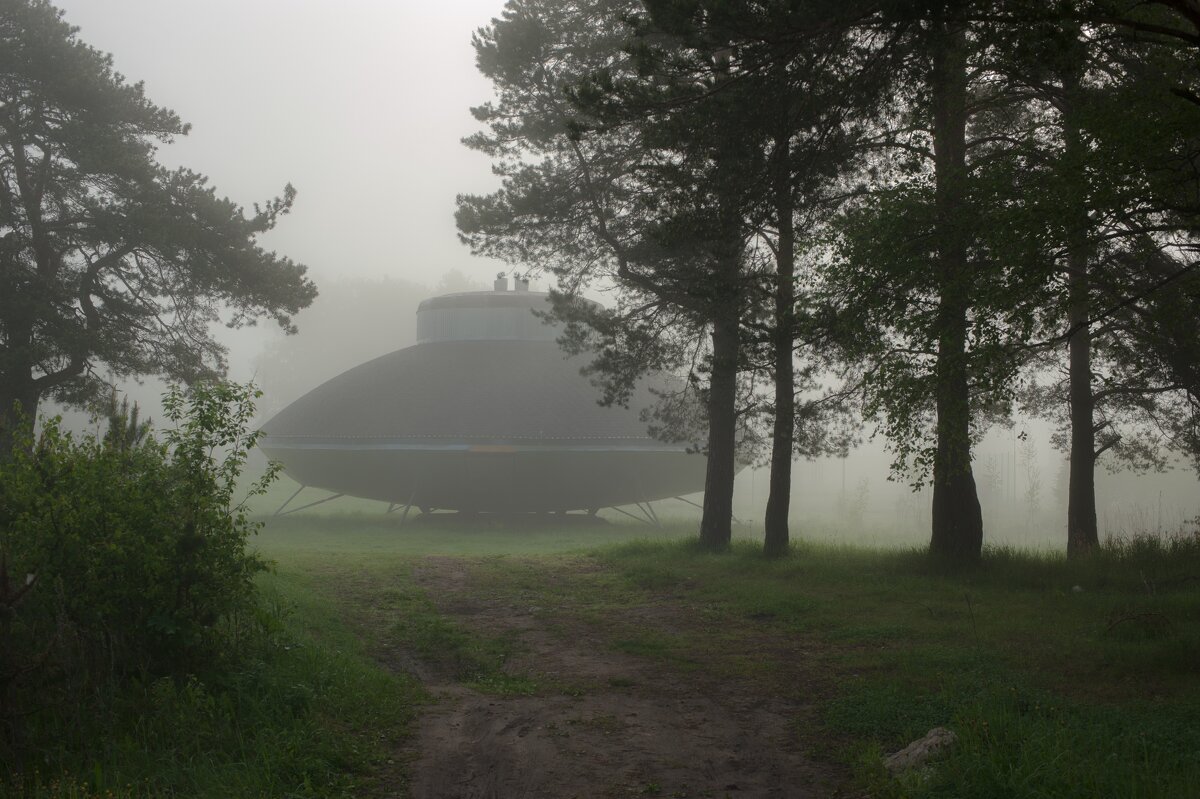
[
  {"x": 485, "y": 413},
  {"x": 468, "y": 391}
]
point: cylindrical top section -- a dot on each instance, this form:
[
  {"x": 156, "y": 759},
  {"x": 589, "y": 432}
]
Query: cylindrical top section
[{"x": 485, "y": 316}]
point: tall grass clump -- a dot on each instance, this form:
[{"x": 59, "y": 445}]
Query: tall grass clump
[
  {"x": 130, "y": 553},
  {"x": 136, "y": 655}
]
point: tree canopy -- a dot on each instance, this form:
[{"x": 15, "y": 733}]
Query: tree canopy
[
  {"x": 955, "y": 200},
  {"x": 112, "y": 265}
]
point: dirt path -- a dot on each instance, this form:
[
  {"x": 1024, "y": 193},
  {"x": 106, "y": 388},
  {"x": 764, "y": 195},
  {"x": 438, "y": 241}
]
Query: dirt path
[{"x": 638, "y": 727}]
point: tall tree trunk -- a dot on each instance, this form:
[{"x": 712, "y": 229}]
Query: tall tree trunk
[
  {"x": 779, "y": 500},
  {"x": 725, "y": 306},
  {"x": 716, "y": 521},
  {"x": 1082, "y": 533},
  {"x": 957, "y": 518}
]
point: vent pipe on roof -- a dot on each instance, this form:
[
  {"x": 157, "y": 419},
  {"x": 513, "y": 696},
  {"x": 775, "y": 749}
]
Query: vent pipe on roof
[
  {"x": 521, "y": 284},
  {"x": 501, "y": 283}
]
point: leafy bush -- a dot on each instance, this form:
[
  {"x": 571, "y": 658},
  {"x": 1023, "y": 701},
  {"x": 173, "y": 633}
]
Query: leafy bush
[{"x": 132, "y": 555}]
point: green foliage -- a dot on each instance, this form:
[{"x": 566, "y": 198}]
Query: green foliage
[
  {"x": 138, "y": 553},
  {"x": 304, "y": 713},
  {"x": 125, "y": 430},
  {"x": 106, "y": 256},
  {"x": 143, "y": 661}
]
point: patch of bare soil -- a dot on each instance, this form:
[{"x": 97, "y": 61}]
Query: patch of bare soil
[{"x": 639, "y": 727}]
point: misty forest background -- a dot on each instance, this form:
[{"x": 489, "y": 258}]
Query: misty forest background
[
  {"x": 863, "y": 159},
  {"x": 1022, "y": 475}
]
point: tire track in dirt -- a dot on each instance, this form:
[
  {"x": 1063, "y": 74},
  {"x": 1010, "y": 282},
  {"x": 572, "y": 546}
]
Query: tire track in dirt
[{"x": 639, "y": 728}]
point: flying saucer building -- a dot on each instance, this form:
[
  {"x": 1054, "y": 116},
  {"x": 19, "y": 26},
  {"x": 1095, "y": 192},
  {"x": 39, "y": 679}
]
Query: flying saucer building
[{"x": 485, "y": 413}]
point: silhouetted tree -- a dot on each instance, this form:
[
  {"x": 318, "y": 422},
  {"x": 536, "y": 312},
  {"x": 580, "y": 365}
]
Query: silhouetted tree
[
  {"x": 107, "y": 259},
  {"x": 599, "y": 185},
  {"x": 668, "y": 171},
  {"x": 804, "y": 77},
  {"x": 1111, "y": 215},
  {"x": 929, "y": 291}
]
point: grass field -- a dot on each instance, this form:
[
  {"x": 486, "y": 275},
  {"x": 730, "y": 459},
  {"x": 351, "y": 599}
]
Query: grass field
[
  {"x": 360, "y": 537},
  {"x": 307, "y": 714},
  {"x": 1060, "y": 679}
]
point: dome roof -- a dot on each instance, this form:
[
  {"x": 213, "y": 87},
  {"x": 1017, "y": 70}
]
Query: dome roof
[{"x": 486, "y": 315}]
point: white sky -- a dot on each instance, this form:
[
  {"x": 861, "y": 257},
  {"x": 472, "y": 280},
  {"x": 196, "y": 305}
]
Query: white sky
[{"x": 360, "y": 104}]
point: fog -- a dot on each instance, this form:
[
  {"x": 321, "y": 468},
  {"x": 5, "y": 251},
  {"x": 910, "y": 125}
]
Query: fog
[
  {"x": 1022, "y": 490},
  {"x": 362, "y": 105},
  {"x": 1021, "y": 478},
  {"x": 359, "y": 104}
]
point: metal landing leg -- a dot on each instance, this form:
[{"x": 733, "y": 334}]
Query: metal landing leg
[
  {"x": 394, "y": 506},
  {"x": 282, "y": 512},
  {"x": 288, "y": 501},
  {"x": 648, "y": 515},
  {"x": 408, "y": 507}
]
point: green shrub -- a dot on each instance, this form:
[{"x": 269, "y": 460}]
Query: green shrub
[{"x": 133, "y": 555}]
